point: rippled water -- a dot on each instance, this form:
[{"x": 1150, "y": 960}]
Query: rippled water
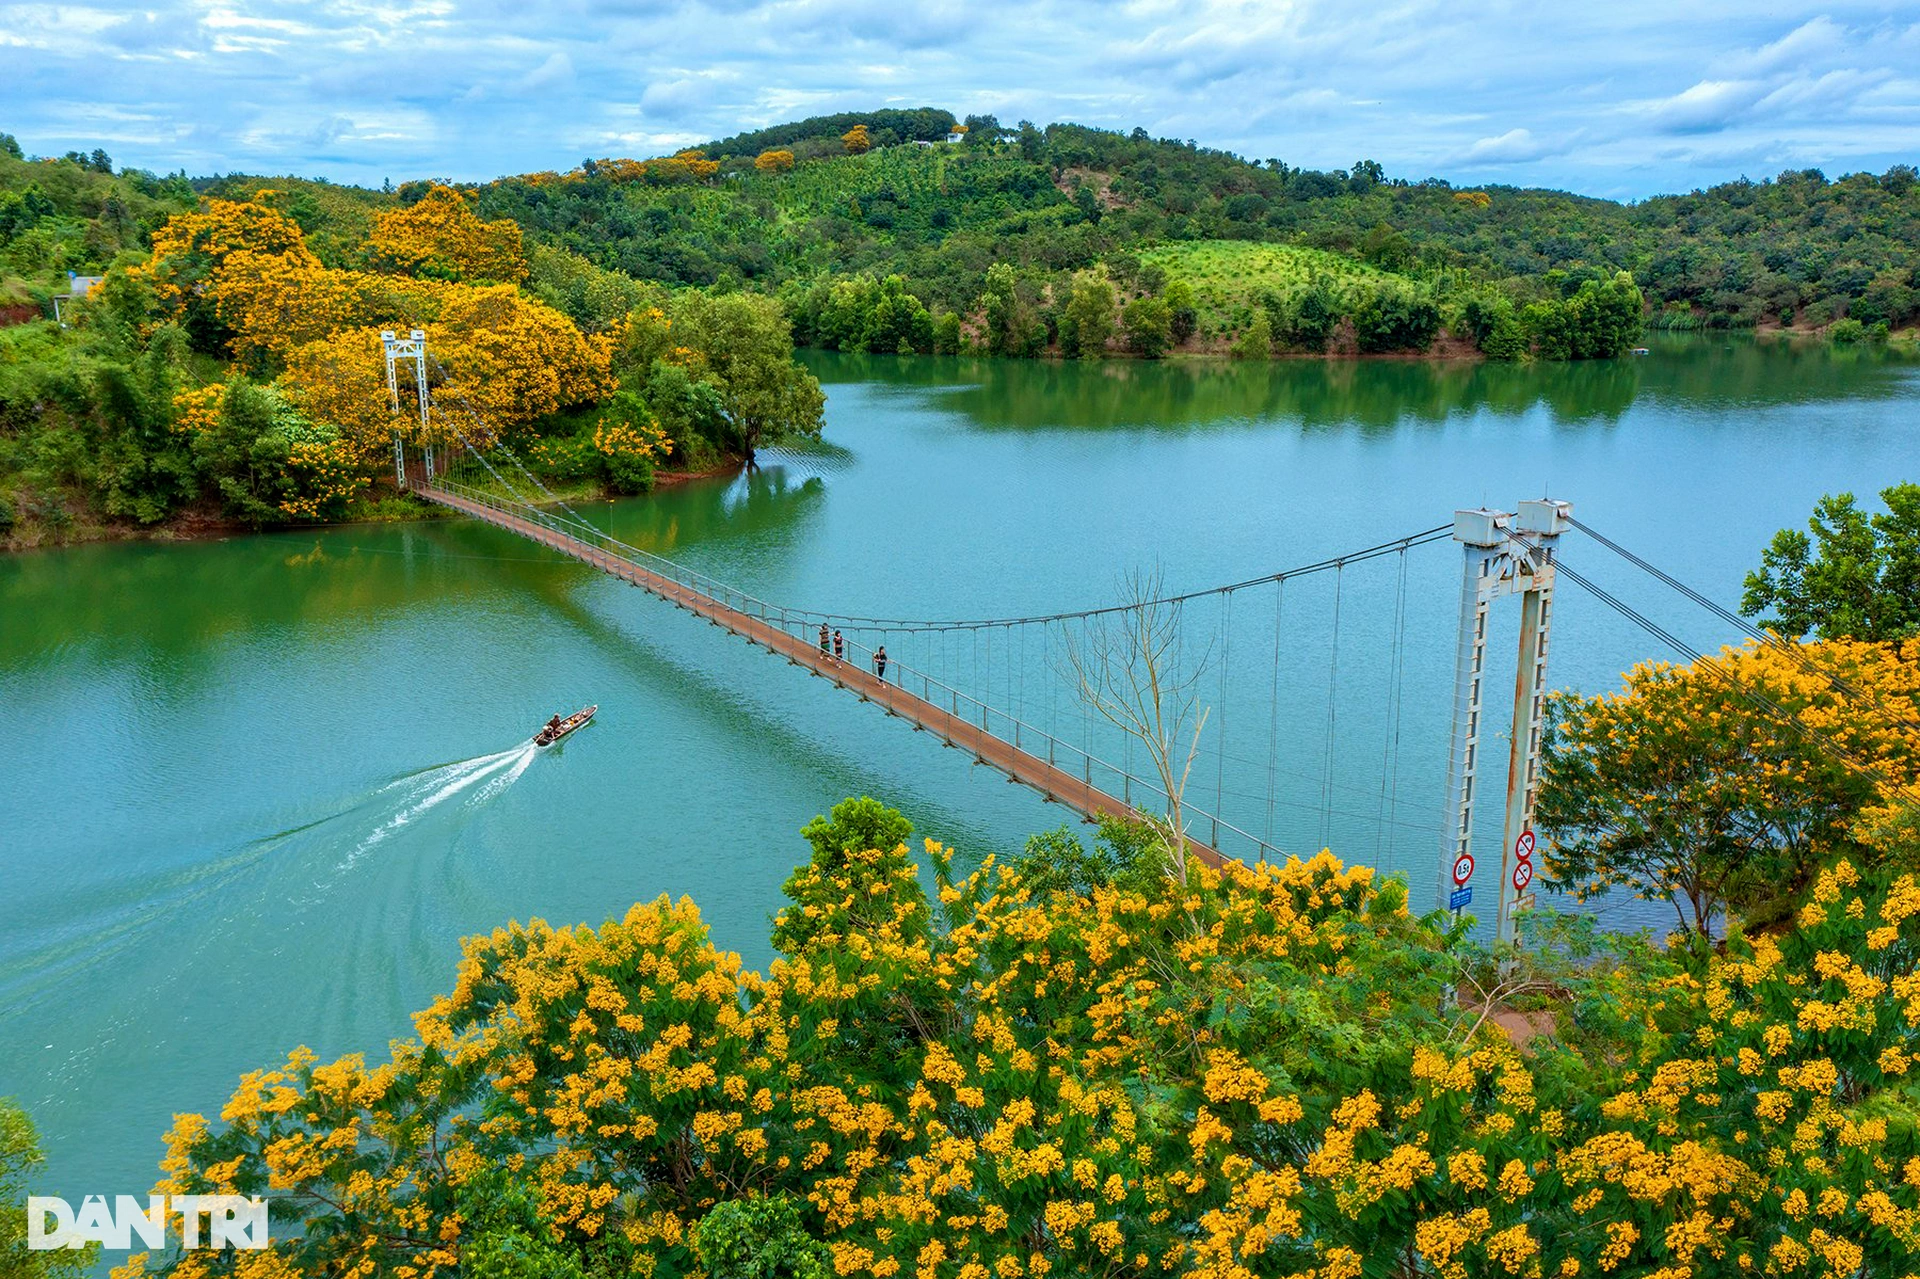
[{"x": 252, "y": 792}]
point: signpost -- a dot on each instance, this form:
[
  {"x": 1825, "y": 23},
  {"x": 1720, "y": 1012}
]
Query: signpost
[
  {"x": 1463, "y": 868},
  {"x": 1459, "y": 897}
]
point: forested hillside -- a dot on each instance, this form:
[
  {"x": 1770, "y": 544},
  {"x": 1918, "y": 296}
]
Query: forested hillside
[
  {"x": 1798, "y": 249},
  {"x": 224, "y": 367}
]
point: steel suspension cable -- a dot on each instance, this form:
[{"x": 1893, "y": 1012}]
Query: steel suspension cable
[
  {"x": 1835, "y": 751},
  {"x": 1770, "y": 639}
]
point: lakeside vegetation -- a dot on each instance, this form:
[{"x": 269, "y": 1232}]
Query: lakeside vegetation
[{"x": 628, "y": 315}]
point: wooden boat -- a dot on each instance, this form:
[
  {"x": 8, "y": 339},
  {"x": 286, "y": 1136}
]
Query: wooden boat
[{"x": 554, "y": 732}]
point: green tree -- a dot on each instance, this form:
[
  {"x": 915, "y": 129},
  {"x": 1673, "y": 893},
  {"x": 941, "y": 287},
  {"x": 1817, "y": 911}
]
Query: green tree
[
  {"x": 1183, "y": 318},
  {"x": 1310, "y": 317},
  {"x": 746, "y": 345},
  {"x": 760, "y": 1238},
  {"x": 1494, "y": 326},
  {"x": 946, "y": 333},
  {"x": 1086, "y": 322},
  {"x": 1857, "y": 575},
  {"x": 1013, "y": 327},
  {"x": 1387, "y": 249},
  {"x": 1396, "y": 319},
  {"x": 1256, "y": 343},
  {"x": 1149, "y": 324},
  {"x": 688, "y": 410},
  {"x": 20, "y": 1158},
  {"x": 146, "y": 468}
]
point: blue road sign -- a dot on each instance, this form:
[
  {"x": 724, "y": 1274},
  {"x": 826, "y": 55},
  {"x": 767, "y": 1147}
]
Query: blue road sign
[{"x": 1458, "y": 898}]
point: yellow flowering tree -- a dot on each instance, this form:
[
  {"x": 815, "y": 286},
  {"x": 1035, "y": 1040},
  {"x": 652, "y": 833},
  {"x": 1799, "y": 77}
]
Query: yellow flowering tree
[
  {"x": 440, "y": 237},
  {"x": 1256, "y": 1073},
  {"x": 1722, "y": 784}
]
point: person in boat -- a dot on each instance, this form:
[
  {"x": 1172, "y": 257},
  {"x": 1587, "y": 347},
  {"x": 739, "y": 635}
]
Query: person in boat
[
  {"x": 839, "y": 647},
  {"x": 553, "y": 726},
  {"x": 880, "y": 661},
  {"x": 824, "y": 639}
]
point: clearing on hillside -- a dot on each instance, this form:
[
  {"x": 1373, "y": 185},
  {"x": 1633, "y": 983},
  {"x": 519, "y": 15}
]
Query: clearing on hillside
[{"x": 1228, "y": 277}]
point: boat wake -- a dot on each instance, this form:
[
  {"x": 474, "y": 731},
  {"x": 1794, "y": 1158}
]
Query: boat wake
[{"x": 485, "y": 776}]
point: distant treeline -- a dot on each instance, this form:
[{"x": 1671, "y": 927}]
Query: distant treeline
[{"x": 794, "y": 209}]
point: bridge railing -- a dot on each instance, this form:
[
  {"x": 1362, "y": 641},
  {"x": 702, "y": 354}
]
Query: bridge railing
[{"x": 903, "y": 681}]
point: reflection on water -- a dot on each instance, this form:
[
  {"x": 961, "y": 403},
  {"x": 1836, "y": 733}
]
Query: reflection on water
[{"x": 1726, "y": 371}]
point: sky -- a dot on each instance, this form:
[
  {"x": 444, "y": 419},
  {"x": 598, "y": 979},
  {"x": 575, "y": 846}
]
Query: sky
[{"x": 1623, "y": 100}]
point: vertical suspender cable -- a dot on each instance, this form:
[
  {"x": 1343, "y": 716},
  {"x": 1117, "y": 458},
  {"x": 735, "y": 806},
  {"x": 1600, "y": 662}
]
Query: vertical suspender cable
[
  {"x": 1273, "y": 707},
  {"x": 1389, "y": 749},
  {"x": 1220, "y": 731},
  {"x": 1333, "y": 681}
]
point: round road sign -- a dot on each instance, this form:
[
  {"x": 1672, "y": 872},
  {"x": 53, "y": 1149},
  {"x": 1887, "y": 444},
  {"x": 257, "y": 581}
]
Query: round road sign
[
  {"x": 1523, "y": 847},
  {"x": 1463, "y": 868},
  {"x": 1522, "y": 876}
]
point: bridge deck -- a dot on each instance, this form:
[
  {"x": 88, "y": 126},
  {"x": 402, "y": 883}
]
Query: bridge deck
[{"x": 1055, "y": 783}]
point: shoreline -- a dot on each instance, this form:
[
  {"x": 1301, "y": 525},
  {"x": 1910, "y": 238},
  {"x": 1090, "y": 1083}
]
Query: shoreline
[{"x": 201, "y": 526}]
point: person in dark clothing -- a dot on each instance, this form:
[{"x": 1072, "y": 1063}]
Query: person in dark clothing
[
  {"x": 880, "y": 661},
  {"x": 823, "y": 639},
  {"x": 839, "y": 647},
  {"x": 553, "y": 723}
]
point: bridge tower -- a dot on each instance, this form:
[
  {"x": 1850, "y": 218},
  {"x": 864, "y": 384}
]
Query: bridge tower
[
  {"x": 413, "y": 349},
  {"x": 1505, "y": 553}
]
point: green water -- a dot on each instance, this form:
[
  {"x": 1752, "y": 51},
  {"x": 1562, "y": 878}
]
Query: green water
[{"x": 253, "y": 791}]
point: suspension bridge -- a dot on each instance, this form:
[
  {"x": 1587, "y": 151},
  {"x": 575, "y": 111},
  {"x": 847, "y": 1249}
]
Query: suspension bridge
[{"x": 1154, "y": 710}]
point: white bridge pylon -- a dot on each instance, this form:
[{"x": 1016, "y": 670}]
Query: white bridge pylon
[
  {"x": 1504, "y": 553},
  {"x": 413, "y": 349}
]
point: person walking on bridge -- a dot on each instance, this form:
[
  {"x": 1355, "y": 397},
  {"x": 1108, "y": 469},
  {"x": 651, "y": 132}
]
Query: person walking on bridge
[
  {"x": 880, "y": 662},
  {"x": 839, "y": 648},
  {"x": 823, "y": 639}
]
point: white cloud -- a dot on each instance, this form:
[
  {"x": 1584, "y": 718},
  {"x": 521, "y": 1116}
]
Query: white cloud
[
  {"x": 1515, "y": 146},
  {"x": 1624, "y": 100}
]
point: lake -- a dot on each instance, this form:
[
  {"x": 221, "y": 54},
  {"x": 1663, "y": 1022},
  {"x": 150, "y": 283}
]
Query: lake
[{"x": 255, "y": 790}]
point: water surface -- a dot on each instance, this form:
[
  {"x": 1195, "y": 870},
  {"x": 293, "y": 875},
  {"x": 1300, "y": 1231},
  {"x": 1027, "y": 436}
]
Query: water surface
[{"x": 255, "y": 790}]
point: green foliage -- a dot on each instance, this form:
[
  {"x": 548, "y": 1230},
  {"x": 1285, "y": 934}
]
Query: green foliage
[
  {"x": 745, "y": 348},
  {"x": 689, "y": 410},
  {"x": 1494, "y": 325},
  {"x": 946, "y": 333},
  {"x": 1012, "y": 318},
  {"x": 593, "y": 298},
  {"x": 1086, "y": 321},
  {"x": 1256, "y": 343},
  {"x": 626, "y": 471},
  {"x": 1183, "y": 317},
  {"x": 20, "y": 1158},
  {"x": 146, "y": 469},
  {"x": 1149, "y": 323},
  {"x": 861, "y": 313},
  {"x": 760, "y": 1238},
  {"x": 1126, "y": 854},
  {"x": 1847, "y": 331},
  {"x": 1396, "y": 319},
  {"x": 1856, "y": 576}
]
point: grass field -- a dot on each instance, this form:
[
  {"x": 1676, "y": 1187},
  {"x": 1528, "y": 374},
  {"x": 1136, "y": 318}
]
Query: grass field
[{"x": 1228, "y": 276}]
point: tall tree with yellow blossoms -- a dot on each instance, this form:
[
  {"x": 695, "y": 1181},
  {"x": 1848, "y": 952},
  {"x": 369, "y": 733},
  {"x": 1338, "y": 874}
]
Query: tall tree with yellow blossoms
[{"x": 439, "y": 237}]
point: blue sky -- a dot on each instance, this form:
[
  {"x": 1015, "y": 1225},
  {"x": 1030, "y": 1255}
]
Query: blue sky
[{"x": 1623, "y": 99}]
